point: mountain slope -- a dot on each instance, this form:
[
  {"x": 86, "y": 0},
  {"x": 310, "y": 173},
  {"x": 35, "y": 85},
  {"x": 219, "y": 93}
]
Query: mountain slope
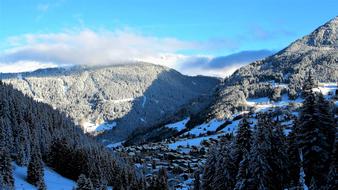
[
  {"x": 31, "y": 130},
  {"x": 119, "y": 96},
  {"x": 316, "y": 53}
]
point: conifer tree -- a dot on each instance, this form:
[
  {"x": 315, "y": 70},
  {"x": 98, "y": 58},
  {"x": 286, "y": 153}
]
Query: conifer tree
[
  {"x": 243, "y": 176},
  {"x": 225, "y": 173},
  {"x": 35, "y": 172},
  {"x": 242, "y": 140},
  {"x": 197, "y": 182},
  {"x": 84, "y": 183},
  {"x": 315, "y": 138},
  {"x": 259, "y": 160},
  {"x": 209, "y": 169},
  {"x": 6, "y": 173}
]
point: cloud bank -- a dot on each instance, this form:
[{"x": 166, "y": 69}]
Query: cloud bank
[{"x": 87, "y": 47}]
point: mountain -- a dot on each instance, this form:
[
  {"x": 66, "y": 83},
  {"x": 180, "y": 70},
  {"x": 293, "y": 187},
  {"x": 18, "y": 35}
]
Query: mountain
[
  {"x": 122, "y": 97},
  {"x": 316, "y": 53},
  {"x": 274, "y": 81}
]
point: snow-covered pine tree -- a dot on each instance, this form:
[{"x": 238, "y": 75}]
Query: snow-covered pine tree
[
  {"x": 332, "y": 180},
  {"x": 6, "y": 173},
  {"x": 242, "y": 140},
  {"x": 225, "y": 174},
  {"x": 293, "y": 157},
  {"x": 22, "y": 144},
  {"x": 84, "y": 183},
  {"x": 308, "y": 85},
  {"x": 259, "y": 155},
  {"x": 209, "y": 169},
  {"x": 315, "y": 138},
  {"x": 35, "y": 173},
  {"x": 278, "y": 157},
  {"x": 243, "y": 176}
]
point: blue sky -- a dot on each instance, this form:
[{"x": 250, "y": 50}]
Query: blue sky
[{"x": 213, "y": 27}]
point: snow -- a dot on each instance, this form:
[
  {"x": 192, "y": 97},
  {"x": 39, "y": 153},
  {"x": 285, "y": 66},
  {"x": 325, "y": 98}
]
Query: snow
[
  {"x": 326, "y": 88},
  {"x": 114, "y": 145},
  {"x": 53, "y": 180},
  {"x": 65, "y": 88},
  {"x": 231, "y": 127},
  {"x": 264, "y": 104},
  {"x": 90, "y": 127},
  {"x": 191, "y": 142},
  {"x": 280, "y": 85},
  {"x": 203, "y": 128},
  {"x": 178, "y": 125},
  {"x": 144, "y": 101},
  {"x": 122, "y": 100}
]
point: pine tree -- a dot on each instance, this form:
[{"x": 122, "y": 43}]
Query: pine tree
[
  {"x": 308, "y": 85},
  {"x": 278, "y": 157},
  {"x": 332, "y": 180},
  {"x": 315, "y": 138},
  {"x": 84, "y": 183},
  {"x": 209, "y": 169},
  {"x": 197, "y": 182},
  {"x": 260, "y": 167},
  {"x": 243, "y": 176},
  {"x": 163, "y": 179},
  {"x": 225, "y": 173},
  {"x": 242, "y": 140},
  {"x": 6, "y": 173},
  {"x": 35, "y": 169}
]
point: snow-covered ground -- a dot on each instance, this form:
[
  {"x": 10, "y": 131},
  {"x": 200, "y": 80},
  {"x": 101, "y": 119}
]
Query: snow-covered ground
[
  {"x": 114, "y": 145},
  {"x": 53, "y": 180},
  {"x": 90, "y": 127},
  {"x": 327, "y": 89},
  {"x": 231, "y": 128},
  {"x": 122, "y": 100},
  {"x": 178, "y": 125},
  {"x": 203, "y": 128},
  {"x": 191, "y": 142},
  {"x": 264, "y": 104}
]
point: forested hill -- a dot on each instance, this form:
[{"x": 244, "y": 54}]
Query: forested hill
[
  {"x": 33, "y": 134},
  {"x": 316, "y": 53}
]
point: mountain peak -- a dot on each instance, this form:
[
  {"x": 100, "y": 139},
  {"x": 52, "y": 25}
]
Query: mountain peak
[{"x": 324, "y": 37}]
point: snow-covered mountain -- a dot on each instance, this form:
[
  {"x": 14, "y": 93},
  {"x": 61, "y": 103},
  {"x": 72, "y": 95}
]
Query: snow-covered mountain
[
  {"x": 275, "y": 81},
  {"x": 122, "y": 97},
  {"x": 316, "y": 53}
]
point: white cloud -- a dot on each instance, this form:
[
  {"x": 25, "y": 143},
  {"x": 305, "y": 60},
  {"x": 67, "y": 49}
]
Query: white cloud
[
  {"x": 87, "y": 47},
  {"x": 90, "y": 48},
  {"x": 24, "y": 66}
]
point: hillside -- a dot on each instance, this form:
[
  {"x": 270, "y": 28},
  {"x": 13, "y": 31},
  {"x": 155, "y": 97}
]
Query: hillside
[
  {"x": 275, "y": 81},
  {"x": 34, "y": 134},
  {"x": 316, "y": 53},
  {"x": 123, "y": 97}
]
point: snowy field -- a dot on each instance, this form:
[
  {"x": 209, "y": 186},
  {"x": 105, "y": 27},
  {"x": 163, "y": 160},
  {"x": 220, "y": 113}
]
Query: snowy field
[
  {"x": 53, "y": 180},
  {"x": 90, "y": 127}
]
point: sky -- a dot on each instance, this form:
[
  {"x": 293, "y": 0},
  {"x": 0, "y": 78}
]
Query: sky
[{"x": 45, "y": 33}]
